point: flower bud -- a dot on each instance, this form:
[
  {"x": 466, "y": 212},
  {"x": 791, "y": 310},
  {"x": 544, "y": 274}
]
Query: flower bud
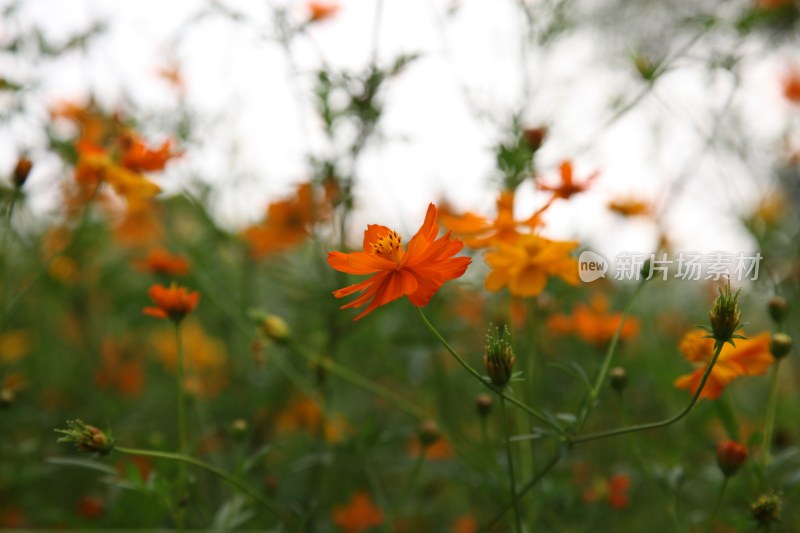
[
  {"x": 271, "y": 326},
  {"x": 778, "y": 308},
  {"x": 239, "y": 427},
  {"x": 428, "y": 433},
  {"x": 730, "y": 456},
  {"x": 766, "y": 509},
  {"x": 618, "y": 378},
  {"x": 86, "y": 438},
  {"x": 483, "y": 403},
  {"x": 499, "y": 357},
  {"x": 21, "y": 171},
  {"x": 725, "y": 315},
  {"x": 534, "y": 137},
  {"x": 780, "y": 344}
]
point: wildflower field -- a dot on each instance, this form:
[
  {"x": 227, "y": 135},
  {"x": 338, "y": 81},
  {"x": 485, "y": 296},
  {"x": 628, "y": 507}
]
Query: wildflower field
[{"x": 568, "y": 307}]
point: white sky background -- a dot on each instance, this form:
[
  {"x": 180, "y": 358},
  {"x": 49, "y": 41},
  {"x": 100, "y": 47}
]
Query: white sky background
[{"x": 257, "y": 123}]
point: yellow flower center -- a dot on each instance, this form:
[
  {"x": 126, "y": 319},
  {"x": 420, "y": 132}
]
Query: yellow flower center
[{"x": 390, "y": 246}]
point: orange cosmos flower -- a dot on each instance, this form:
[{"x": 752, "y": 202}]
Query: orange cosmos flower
[
  {"x": 172, "y": 302},
  {"x": 750, "y": 357},
  {"x": 479, "y": 232},
  {"x": 791, "y": 85},
  {"x": 318, "y": 11},
  {"x": 525, "y": 265},
  {"x": 287, "y": 223},
  {"x": 160, "y": 261},
  {"x": 137, "y": 157},
  {"x": 96, "y": 166},
  {"x": 418, "y": 272},
  {"x": 593, "y": 323},
  {"x": 567, "y": 187},
  {"x": 359, "y": 515},
  {"x": 614, "y": 490}
]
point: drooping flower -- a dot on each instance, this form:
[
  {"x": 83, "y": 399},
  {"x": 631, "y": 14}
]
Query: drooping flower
[
  {"x": 358, "y": 515},
  {"x": 418, "y": 272},
  {"x": 479, "y": 232},
  {"x": 172, "y": 302},
  {"x": 525, "y": 265},
  {"x": 567, "y": 187},
  {"x": 750, "y": 357},
  {"x": 593, "y": 323}
]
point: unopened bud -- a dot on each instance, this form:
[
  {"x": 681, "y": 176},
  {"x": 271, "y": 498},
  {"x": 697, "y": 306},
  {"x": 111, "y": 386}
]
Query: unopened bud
[
  {"x": 725, "y": 315},
  {"x": 271, "y": 326},
  {"x": 619, "y": 378},
  {"x": 778, "y": 308},
  {"x": 21, "y": 171},
  {"x": 86, "y": 438},
  {"x": 780, "y": 345},
  {"x": 766, "y": 509},
  {"x": 499, "y": 357},
  {"x": 239, "y": 427},
  {"x": 534, "y": 137},
  {"x": 730, "y": 456},
  {"x": 428, "y": 433},
  {"x": 484, "y": 403}
]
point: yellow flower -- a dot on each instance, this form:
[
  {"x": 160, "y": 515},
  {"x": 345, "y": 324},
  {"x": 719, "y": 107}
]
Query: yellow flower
[
  {"x": 525, "y": 265},
  {"x": 14, "y": 345}
]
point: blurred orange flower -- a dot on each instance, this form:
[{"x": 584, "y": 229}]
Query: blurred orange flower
[
  {"x": 464, "y": 524},
  {"x": 95, "y": 166},
  {"x": 791, "y": 84},
  {"x": 304, "y": 414},
  {"x": 172, "y": 302},
  {"x": 137, "y": 157},
  {"x": 160, "y": 261},
  {"x": 287, "y": 223},
  {"x": 418, "y": 272},
  {"x": 14, "y": 345},
  {"x": 358, "y": 515},
  {"x": 90, "y": 507},
  {"x": 750, "y": 357},
  {"x": 614, "y": 490},
  {"x": 629, "y": 207},
  {"x": 318, "y": 11},
  {"x": 479, "y": 232},
  {"x": 525, "y": 265},
  {"x": 438, "y": 451},
  {"x": 118, "y": 371},
  {"x": 205, "y": 358},
  {"x": 593, "y": 323},
  {"x": 567, "y": 187}
]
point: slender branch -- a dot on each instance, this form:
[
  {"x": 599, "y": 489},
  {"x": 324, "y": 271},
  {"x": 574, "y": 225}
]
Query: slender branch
[
  {"x": 511, "y": 476},
  {"x": 485, "y": 383},
  {"x": 232, "y": 480},
  {"x": 662, "y": 423},
  {"x": 718, "y": 504}
]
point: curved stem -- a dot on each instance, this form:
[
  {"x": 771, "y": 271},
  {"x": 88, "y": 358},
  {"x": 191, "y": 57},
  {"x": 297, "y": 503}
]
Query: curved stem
[
  {"x": 602, "y": 375},
  {"x": 662, "y": 423},
  {"x": 485, "y": 383},
  {"x": 232, "y": 480},
  {"x": 509, "y": 458}
]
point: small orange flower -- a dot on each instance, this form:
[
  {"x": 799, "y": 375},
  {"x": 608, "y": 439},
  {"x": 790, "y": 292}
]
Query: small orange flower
[
  {"x": 479, "y": 232},
  {"x": 567, "y": 188},
  {"x": 791, "y": 85},
  {"x": 286, "y": 225},
  {"x": 172, "y": 302},
  {"x": 137, "y": 157},
  {"x": 750, "y": 357},
  {"x": 525, "y": 265},
  {"x": 318, "y": 11},
  {"x": 160, "y": 261},
  {"x": 418, "y": 272},
  {"x": 593, "y": 323},
  {"x": 629, "y": 207},
  {"x": 614, "y": 490},
  {"x": 358, "y": 515}
]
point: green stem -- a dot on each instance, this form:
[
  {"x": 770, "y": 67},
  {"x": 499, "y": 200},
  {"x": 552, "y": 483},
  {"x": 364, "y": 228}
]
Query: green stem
[
  {"x": 485, "y": 383},
  {"x": 720, "y": 496},
  {"x": 602, "y": 375},
  {"x": 232, "y": 480},
  {"x": 512, "y": 478},
  {"x": 412, "y": 479},
  {"x": 360, "y": 381},
  {"x": 528, "y": 486},
  {"x": 182, "y": 484},
  {"x": 772, "y": 408},
  {"x": 662, "y": 423}
]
